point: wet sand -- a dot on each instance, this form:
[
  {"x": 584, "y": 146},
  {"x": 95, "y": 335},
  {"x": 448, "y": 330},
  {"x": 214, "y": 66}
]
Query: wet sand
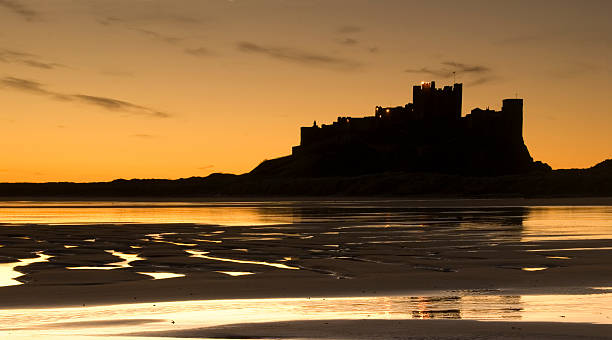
[
  {"x": 377, "y": 250},
  {"x": 357, "y": 261},
  {"x": 396, "y": 329}
]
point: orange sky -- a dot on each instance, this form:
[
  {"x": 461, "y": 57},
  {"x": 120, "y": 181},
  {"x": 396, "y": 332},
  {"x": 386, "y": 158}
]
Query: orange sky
[{"x": 95, "y": 90}]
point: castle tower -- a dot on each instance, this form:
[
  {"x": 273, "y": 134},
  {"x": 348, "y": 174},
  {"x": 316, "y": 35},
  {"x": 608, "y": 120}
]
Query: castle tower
[
  {"x": 458, "y": 99},
  {"x": 437, "y": 104},
  {"x": 512, "y": 110}
]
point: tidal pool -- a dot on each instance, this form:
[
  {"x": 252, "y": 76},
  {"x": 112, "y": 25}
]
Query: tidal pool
[{"x": 8, "y": 272}]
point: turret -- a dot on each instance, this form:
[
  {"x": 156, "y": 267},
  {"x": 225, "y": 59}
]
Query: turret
[{"x": 512, "y": 110}]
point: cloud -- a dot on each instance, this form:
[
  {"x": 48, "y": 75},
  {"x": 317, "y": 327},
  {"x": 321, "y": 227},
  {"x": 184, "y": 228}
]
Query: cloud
[
  {"x": 157, "y": 36},
  {"x": 199, "y": 52},
  {"x": 348, "y": 41},
  {"x": 298, "y": 56},
  {"x": 107, "y": 21},
  {"x": 206, "y": 167},
  {"x": 143, "y": 136},
  {"x": 466, "y": 68},
  {"x": 31, "y": 60},
  {"x": 432, "y": 72},
  {"x": 483, "y": 73},
  {"x": 118, "y": 105},
  {"x": 25, "y": 85},
  {"x": 20, "y": 9},
  {"x": 110, "y": 104}
]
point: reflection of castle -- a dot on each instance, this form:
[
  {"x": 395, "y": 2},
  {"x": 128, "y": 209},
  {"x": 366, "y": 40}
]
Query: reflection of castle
[{"x": 427, "y": 135}]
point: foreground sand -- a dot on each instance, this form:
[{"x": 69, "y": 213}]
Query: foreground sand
[
  {"x": 397, "y": 329},
  {"x": 372, "y": 253}
]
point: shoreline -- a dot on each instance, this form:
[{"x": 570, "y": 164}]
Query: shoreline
[{"x": 421, "y": 201}]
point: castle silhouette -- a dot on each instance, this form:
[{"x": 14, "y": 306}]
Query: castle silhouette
[{"x": 427, "y": 135}]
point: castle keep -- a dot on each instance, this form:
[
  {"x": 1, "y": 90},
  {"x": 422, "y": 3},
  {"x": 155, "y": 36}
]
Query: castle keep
[{"x": 428, "y": 135}]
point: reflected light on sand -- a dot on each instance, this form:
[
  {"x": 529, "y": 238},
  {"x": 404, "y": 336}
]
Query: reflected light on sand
[
  {"x": 227, "y": 214},
  {"x": 533, "y": 269},
  {"x": 200, "y": 254},
  {"x": 161, "y": 276},
  {"x": 235, "y": 273},
  {"x": 197, "y": 314},
  {"x": 8, "y": 273},
  {"x": 567, "y": 223},
  {"x": 127, "y": 258}
]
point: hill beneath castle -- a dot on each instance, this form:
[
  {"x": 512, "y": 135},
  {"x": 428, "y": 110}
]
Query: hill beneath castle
[{"x": 592, "y": 182}]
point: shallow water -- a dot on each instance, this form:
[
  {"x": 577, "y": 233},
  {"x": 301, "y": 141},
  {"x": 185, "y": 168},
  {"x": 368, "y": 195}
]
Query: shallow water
[
  {"x": 261, "y": 236},
  {"x": 537, "y": 223},
  {"x": 469, "y": 305},
  {"x": 9, "y": 272}
]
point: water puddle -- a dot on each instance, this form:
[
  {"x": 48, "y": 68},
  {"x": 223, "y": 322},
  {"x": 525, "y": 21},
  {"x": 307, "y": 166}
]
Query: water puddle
[
  {"x": 235, "y": 273},
  {"x": 8, "y": 273},
  {"x": 209, "y": 241},
  {"x": 533, "y": 269},
  {"x": 201, "y": 254},
  {"x": 525, "y": 269},
  {"x": 127, "y": 259},
  {"x": 162, "y": 275},
  {"x": 569, "y": 249}
]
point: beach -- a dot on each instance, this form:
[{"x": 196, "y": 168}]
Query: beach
[{"x": 474, "y": 253}]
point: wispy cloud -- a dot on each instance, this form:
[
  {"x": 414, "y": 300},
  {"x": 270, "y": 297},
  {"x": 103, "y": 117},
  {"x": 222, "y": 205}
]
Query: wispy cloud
[
  {"x": 475, "y": 74},
  {"x": 107, "y": 21},
  {"x": 144, "y": 136},
  {"x": 199, "y": 52},
  {"x": 450, "y": 67},
  {"x": 465, "y": 68},
  {"x": 432, "y": 72},
  {"x": 18, "y": 8},
  {"x": 25, "y": 85},
  {"x": 348, "y": 41},
  {"x": 299, "y": 56},
  {"x": 157, "y": 36},
  {"x": 110, "y": 104},
  {"x": 31, "y": 60}
]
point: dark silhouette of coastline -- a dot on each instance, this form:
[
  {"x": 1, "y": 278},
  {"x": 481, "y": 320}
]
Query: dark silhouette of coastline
[
  {"x": 591, "y": 182},
  {"x": 425, "y": 148}
]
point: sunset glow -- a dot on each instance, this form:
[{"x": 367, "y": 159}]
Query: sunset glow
[{"x": 104, "y": 89}]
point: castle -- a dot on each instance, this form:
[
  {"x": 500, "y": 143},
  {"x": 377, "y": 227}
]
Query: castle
[{"x": 428, "y": 135}]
